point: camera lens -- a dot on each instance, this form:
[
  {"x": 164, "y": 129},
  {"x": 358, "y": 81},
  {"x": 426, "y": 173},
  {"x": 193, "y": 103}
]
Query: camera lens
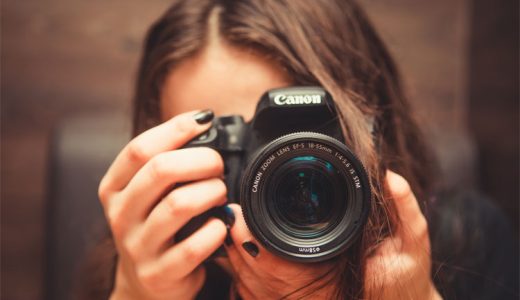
[{"x": 305, "y": 196}]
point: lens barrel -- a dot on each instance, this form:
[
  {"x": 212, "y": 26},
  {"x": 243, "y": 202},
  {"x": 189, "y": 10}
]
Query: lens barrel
[{"x": 305, "y": 196}]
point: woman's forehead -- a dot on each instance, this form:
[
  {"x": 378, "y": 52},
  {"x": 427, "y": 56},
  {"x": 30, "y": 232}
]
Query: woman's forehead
[{"x": 227, "y": 79}]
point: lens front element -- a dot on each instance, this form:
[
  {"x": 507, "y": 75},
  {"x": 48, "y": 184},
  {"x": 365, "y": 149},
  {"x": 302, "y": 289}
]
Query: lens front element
[{"x": 307, "y": 195}]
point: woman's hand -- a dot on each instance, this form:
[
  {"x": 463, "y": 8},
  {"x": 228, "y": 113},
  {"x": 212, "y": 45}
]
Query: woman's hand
[
  {"x": 144, "y": 213},
  {"x": 401, "y": 266}
]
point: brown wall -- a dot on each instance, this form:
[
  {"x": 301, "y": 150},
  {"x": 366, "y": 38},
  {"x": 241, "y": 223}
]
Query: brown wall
[
  {"x": 61, "y": 58},
  {"x": 493, "y": 107}
]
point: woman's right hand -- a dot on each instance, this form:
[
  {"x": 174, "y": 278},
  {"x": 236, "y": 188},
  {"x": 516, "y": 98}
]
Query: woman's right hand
[{"x": 144, "y": 213}]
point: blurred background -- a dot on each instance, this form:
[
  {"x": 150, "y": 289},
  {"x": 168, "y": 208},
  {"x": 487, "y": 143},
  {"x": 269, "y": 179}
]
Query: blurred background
[{"x": 76, "y": 60}]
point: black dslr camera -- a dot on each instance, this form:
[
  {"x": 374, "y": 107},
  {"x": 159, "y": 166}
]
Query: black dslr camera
[{"x": 305, "y": 196}]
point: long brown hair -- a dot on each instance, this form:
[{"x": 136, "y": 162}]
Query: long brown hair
[{"x": 316, "y": 42}]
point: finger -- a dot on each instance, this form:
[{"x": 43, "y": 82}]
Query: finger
[
  {"x": 259, "y": 260},
  {"x": 178, "y": 207},
  {"x": 246, "y": 275},
  {"x": 413, "y": 225},
  {"x": 168, "y": 136},
  {"x": 134, "y": 203},
  {"x": 240, "y": 234},
  {"x": 184, "y": 257}
]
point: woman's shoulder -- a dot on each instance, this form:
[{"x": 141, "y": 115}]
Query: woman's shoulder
[{"x": 474, "y": 251}]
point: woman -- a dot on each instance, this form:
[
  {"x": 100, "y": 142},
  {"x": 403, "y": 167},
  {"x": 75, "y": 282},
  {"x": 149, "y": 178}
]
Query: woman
[{"x": 223, "y": 55}]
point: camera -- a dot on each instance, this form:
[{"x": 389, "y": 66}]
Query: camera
[{"x": 305, "y": 196}]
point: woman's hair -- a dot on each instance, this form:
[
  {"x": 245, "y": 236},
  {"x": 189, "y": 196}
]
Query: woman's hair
[{"x": 330, "y": 43}]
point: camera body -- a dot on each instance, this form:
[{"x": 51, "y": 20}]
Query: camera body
[{"x": 305, "y": 196}]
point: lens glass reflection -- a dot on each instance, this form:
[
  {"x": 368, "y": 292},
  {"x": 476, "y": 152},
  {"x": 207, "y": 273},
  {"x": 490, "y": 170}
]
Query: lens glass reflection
[{"x": 307, "y": 193}]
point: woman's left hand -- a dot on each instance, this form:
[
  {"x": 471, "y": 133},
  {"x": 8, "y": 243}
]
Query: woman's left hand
[{"x": 401, "y": 265}]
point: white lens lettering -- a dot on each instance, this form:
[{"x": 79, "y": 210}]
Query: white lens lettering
[{"x": 256, "y": 182}]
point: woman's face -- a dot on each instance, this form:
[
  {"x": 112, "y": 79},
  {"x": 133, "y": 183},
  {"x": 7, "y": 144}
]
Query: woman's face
[{"x": 223, "y": 78}]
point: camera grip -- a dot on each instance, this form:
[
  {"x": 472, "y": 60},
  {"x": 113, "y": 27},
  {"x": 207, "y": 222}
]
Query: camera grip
[{"x": 226, "y": 136}]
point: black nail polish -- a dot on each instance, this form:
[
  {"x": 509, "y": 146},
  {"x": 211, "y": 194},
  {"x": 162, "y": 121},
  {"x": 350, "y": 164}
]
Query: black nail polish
[
  {"x": 204, "y": 116},
  {"x": 250, "y": 248},
  {"x": 229, "y": 217}
]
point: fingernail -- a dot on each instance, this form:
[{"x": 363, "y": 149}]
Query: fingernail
[
  {"x": 250, "y": 248},
  {"x": 204, "y": 116},
  {"x": 229, "y": 217}
]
